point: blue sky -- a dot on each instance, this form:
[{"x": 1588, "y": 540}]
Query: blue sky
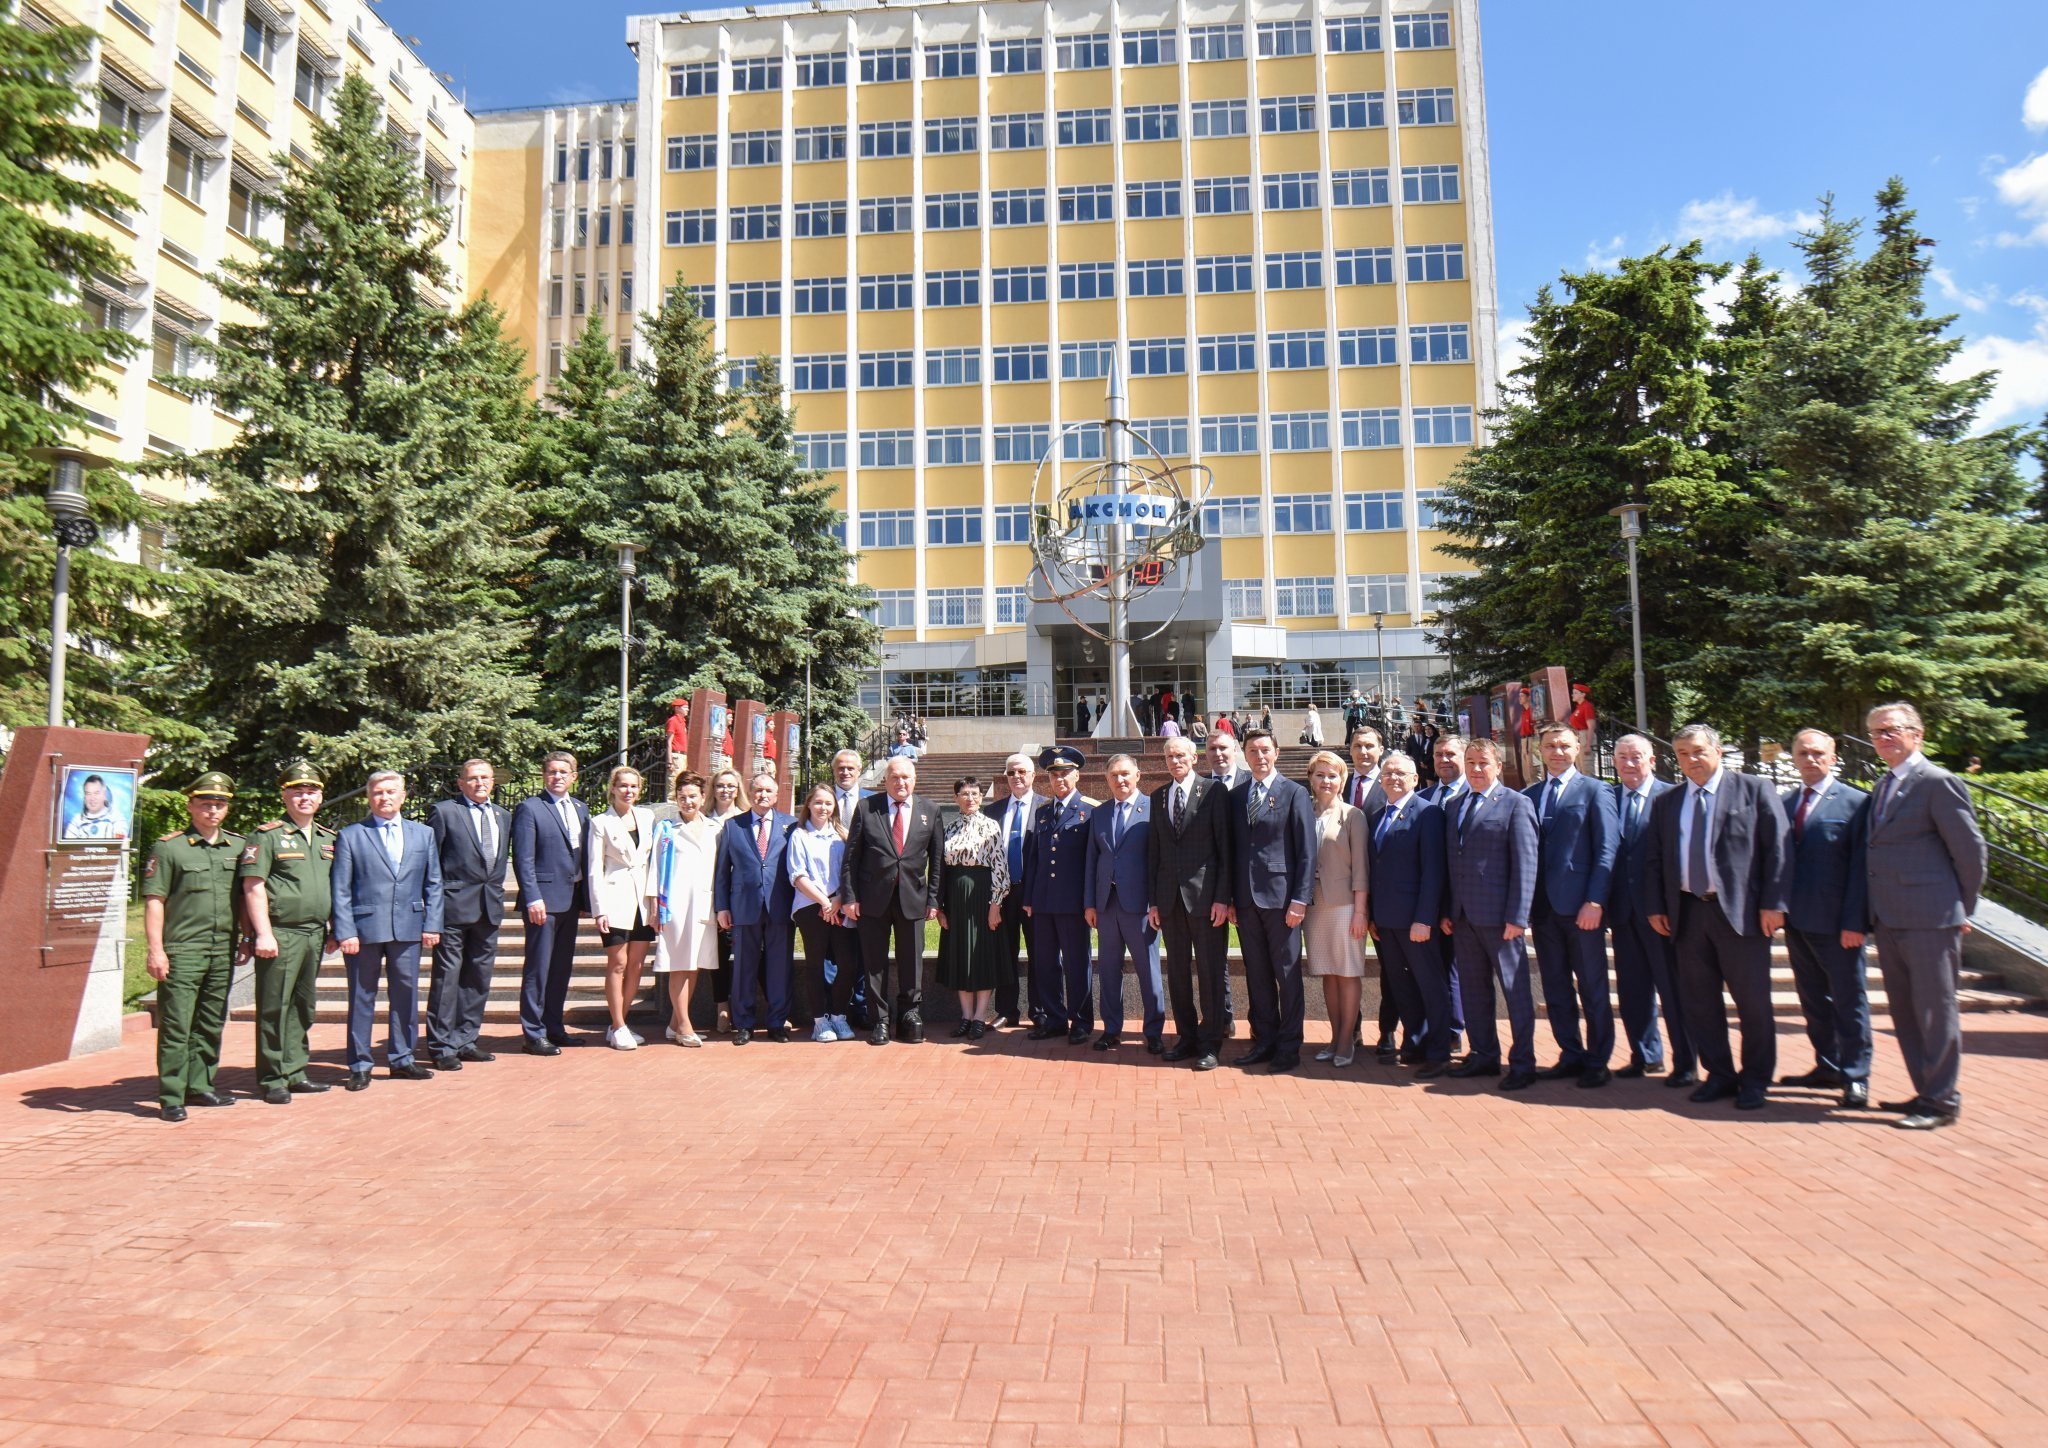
[{"x": 1620, "y": 124}]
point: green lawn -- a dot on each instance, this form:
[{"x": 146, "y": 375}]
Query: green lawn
[{"x": 137, "y": 983}]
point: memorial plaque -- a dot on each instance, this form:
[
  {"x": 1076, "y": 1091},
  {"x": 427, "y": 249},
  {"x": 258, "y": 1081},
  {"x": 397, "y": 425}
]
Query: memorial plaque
[
  {"x": 706, "y": 733},
  {"x": 84, "y": 881}
]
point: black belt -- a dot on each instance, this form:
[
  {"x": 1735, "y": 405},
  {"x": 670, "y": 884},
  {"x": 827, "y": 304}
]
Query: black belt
[{"x": 1691, "y": 896}]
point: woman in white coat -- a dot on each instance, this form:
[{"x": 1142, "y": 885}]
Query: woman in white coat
[
  {"x": 620, "y": 843},
  {"x": 679, "y": 901}
]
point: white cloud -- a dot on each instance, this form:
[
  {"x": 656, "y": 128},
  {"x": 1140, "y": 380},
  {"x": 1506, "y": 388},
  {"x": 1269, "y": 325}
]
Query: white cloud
[
  {"x": 2021, "y": 392},
  {"x": 1606, "y": 256},
  {"x": 1726, "y": 220},
  {"x": 2034, "y": 109},
  {"x": 1945, "y": 283},
  {"x": 2025, "y": 189},
  {"x": 1512, "y": 346}
]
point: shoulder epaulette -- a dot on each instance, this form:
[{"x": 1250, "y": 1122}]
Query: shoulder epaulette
[
  {"x": 231, "y": 835},
  {"x": 269, "y": 825},
  {"x": 174, "y": 834}
]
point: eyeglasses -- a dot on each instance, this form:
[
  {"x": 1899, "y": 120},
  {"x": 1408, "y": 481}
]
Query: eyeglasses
[{"x": 1891, "y": 731}]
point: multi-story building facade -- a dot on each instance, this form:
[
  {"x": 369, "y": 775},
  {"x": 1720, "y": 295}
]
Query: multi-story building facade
[
  {"x": 212, "y": 98},
  {"x": 950, "y": 220}
]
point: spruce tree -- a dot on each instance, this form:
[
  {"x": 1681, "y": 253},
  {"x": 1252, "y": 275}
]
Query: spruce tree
[{"x": 354, "y": 557}]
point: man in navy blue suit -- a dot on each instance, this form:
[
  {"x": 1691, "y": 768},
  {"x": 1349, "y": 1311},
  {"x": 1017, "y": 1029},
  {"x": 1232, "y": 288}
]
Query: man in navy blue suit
[
  {"x": 1405, "y": 848},
  {"x": 549, "y": 831},
  {"x": 1273, "y": 849},
  {"x": 1118, "y": 893},
  {"x": 1576, "y": 833},
  {"x": 1490, "y": 850},
  {"x": 1055, "y": 896},
  {"x": 1645, "y": 963},
  {"x": 888, "y": 889},
  {"x": 751, "y": 892},
  {"x": 1825, "y": 924},
  {"x": 387, "y": 906}
]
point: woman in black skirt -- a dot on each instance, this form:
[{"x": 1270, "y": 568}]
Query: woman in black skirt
[{"x": 973, "y": 879}]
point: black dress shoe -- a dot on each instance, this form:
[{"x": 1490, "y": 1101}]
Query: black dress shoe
[
  {"x": 1410, "y": 1056},
  {"x": 1257, "y": 1056},
  {"x": 358, "y": 1081},
  {"x": 410, "y": 1071},
  {"x": 1712, "y": 1090},
  {"x": 447, "y": 1063},
  {"x": 310, "y": 1088},
  {"x": 879, "y": 1036},
  {"x": 1387, "y": 1049},
  {"x": 1181, "y": 1051},
  {"x": 1207, "y": 1061},
  {"x": 1563, "y": 1070},
  {"x": 1284, "y": 1062},
  {"x": 1682, "y": 1078},
  {"x": 561, "y": 1038},
  {"x": 278, "y": 1096},
  {"x": 959, "y": 1030},
  {"x": 208, "y": 1098},
  {"x": 1154, "y": 1046},
  {"x": 1912, "y": 1106},
  {"x": 173, "y": 1113},
  {"x": 1594, "y": 1076},
  {"x": 475, "y": 1053},
  {"x": 1855, "y": 1094},
  {"x": 1430, "y": 1070},
  {"x": 1751, "y": 1098},
  {"x": 1927, "y": 1120},
  {"x": 1518, "y": 1081},
  {"x": 740, "y": 1037},
  {"x": 541, "y": 1048},
  {"x": 1077, "y": 1035},
  {"x": 1108, "y": 1041},
  {"x": 976, "y": 1030},
  {"x": 1474, "y": 1066},
  {"x": 779, "y": 1034},
  {"x": 1043, "y": 1032},
  {"x": 1818, "y": 1076},
  {"x": 1633, "y": 1071}
]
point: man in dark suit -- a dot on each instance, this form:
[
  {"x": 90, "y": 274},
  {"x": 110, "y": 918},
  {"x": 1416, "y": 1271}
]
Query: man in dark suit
[
  {"x": 1224, "y": 766},
  {"x": 889, "y": 887},
  {"x": 1417, "y": 747},
  {"x": 1576, "y": 832},
  {"x": 1490, "y": 887},
  {"x": 1055, "y": 898},
  {"x": 549, "y": 831},
  {"x": 1925, "y": 859},
  {"x": 1014, "y": 815},
  {"x": 1449, "y": 771},
  {"x": 1645, "y": 963},
  {"x": 1118, "y": 892},
  {"x": 1362, "y": 791},
  {"x": 1717, "y": 871},
  {"x": 1187, "y": 854},
  {"x": 387, "y": 906},
  {"x": 1827, "y": 918},
  {"x": 1405, "y": 849},
  {"x": 473, "y": 839},
  {"x": 1273, "y": 850},
  {"x": 751, "y": 891}
]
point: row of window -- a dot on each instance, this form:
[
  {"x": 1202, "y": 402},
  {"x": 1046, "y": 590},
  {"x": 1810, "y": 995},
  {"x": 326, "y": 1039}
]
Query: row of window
[
  {"x": 1229, "y": 517},
  {"x": 1025, "y": 55},
  {"x": 577, "y": 229},
  {"x": 1308, "y": 596},
  {"x": 1090, "y": 126},
  {"x": 581, "y": 298},
  {"x": 613, "y": 158}
]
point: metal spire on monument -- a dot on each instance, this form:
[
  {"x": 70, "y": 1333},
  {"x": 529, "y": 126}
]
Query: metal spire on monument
[{"x": 1117, "y": 425}]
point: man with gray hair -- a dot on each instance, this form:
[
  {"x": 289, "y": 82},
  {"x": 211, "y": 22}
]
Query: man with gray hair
[
  {"x": 1926, "y": 862},
  {"x": 387, "y": 906}
]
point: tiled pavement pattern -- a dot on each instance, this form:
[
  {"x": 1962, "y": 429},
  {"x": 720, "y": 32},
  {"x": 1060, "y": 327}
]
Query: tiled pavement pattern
[{"x": 1017, "y": 1244}]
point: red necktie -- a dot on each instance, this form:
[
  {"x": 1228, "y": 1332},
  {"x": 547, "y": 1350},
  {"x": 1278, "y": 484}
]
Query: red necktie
[
  {"x": 1799, "y": 820},
  {"x": 901, "y": 811}
]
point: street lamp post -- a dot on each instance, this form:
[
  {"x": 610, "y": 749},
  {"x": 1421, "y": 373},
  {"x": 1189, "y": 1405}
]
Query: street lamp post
[
  {"x": 66, "y": 501},
  {"x": 1631, "y": 516},
  {"x": 628, "y": 570}
]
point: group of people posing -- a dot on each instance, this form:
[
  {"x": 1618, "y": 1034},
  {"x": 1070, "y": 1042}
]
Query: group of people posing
[{"x": 1450, "y": 881}]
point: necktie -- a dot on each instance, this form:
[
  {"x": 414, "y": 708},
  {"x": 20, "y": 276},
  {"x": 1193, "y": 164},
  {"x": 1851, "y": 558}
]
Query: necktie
[
  {"x": 1258, "y": 803},
  {"x": 1015, "y": 822},
  {"x": 1116, "y": 832},
  {"x": 483, "y": 830},
  {"x": 1387, "y": 818},
  {"x": 1176, "y": 799},
  {"x": 1550, "y": 793},
  {"x": 1884, "y": 795},
  {"x": 1698, "y": 880},
  {"x": 568, "y": 813},
  {"x": 761, "y": 837},
  {"x": 898, "y": 828},
  {"x": 1359, "y": 785},
  {"x": 1635, "y": 813},
  {"x": 845, "y": 806},
  {"x": 1465, "y": 812},
  {"x": 1799, "y": 820},
  {"x": 394, "y": 842}
]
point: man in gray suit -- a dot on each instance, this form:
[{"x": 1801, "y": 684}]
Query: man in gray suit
[
  {"x": 387, "y": 905},
  {"x": 474, "y": 840},
  {"x": 1926, "y": 862},
  {"x": 1490, "y": 847}
]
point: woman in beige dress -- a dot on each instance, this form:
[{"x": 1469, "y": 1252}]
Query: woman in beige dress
[
  {"x": 679, "y": 902},
  {"x": 618, "y": 845},
  {"x": 1334, "y": 931}
]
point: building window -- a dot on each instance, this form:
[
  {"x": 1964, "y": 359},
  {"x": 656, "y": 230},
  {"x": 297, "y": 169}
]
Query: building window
[
  {"x": 819, "y": 372},
  {"x": 952, "y": 211},
  {"x": 1295, "y": 350},
  {"x": 1279, "y": 115},
  {"x": 583, "y": 226},
  {"x": 1082, "y": 442},
  {"x": 1168, "y": 436},
  {"x": 1222, "y": 195},
  {"x": 625, "y": 226},
  {"x": 1084, "y": 127},
  {"x": 1371, "y": 512},
  {"x": 880, "y": 370},
  {"x": 1081, "y": 52},
  {"x": 1013, "y": 523},
  {"x": 822, "y": 451},
  {"x": 889, "y": 448},
  {"x": 952, "y": 608},
  {"x": 1370, "y": 427},
  {"x": 880, "y": 140},
  {"x": 1022, "y": 56},
  {"x": 1023, "y": 362},
  {"x": 756, "y": 148},
  {"x": 1358, "y": 110},
  {"x": 1365, "y": 266},
  {"x": 1278, "y": 38},
  {"x": 1292, "y": 191},
  {"x": 1152, "y": 123},
  {"x": 1431, "y": 584},
  {"x": 704, "y": 298},
  {"x": 1377, "y": 592},
  {"x": 1227, "y": 352},
  {"x": 1301, "y": 431},
  {"x": 890, "y": 63},
  {"x": 1159, "y": 357},
  {"x": 1216, "y": 275},
  {"x": 894, "y": 608},
  {"x": 1422, "y": 184},
  {"x": 1013, "y": 603},
  {"x": 554, "y": 360},
  {"x": 1021, "y": 442},
  {"x": 1087, "y": 281},
  {"x": 1301, "y": 513},
  {"x": 1232, "y": 518},
  {"x": 820, "y": 143},
  {"x": 822, "y": 69},
  {"x": 558, "y": 229},
  {"x": 1017, "y": 131},
  {"x": 1352, "y": 34},
  {"x": 698, "y": 78},
  {"x": 1367, "y": 347},
  {"x": 579, "y": 295},
  {"x": 185, "y": 171},
  {"x": 743, "y": 223},
  {"x": 554, "y": 296},
  {"x": 1235, "y": 433},
  {"x": 888, "y": 527},
  {"x": 754, "y": 299},
  {"x": 1084, "y": 361},
  {"x": 953, "y": 367},
  {"x": 951, "y": 136},
  {"x": 692, "y": 153},
  {"x": 1430, "y": 30},
  {"x": 885, "y": 214},
  {"x": 1443, "y": 426},
  {"x": 1022, "y": 206},
  {"x": 949, "y": 59},
  {"x": 954, "y": 447},
  {"x": 628, "y": 152},
  {"x": 1361, "y": 186},
  {"x": 682, "y": 228},
  {"x": 757, "y": 73},
  {"x": 1427, "y": 106},
  {"x": 1427, "y": 514},
  {"x": 1437, "y": 262},
  {"x": 606, "y": 160},
  {"x": 1016, "y": 284},
  {"x": 952, "y": 288},
  {"x": 173, "y": 352},
  {"x": 820, "y": 296},
  {"x": 1157, "y": 277},
  {"x": 245, "y": 208},
  {"x": 1244, "y": 597},
  {"x": 1309, "y": 597},
  {"x": 1440, "y": 342},
  {"x": 309, "y": 86},
  {"x": 626, "y": 301},
  {"x": 259, "y": 42},
  {"x": 207, "y": 10},
  {"x": 1087, "y": 203},
  {"x": 954, "y": 526},
  {"x": 1149, "y": 200},
  {"x": 1215, "y": 42},
  {"x": 1210, "y": 120},
  {"x": 1291, "y": 271},
  {"x": 820, "y": 218},
  {"x": 1150, "y": 47},
  {"x": 601, "y": 296}
]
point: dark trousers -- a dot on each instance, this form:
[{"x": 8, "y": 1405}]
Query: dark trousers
[
  {"x": 1420, "y": 987},
  {"x": 1013, "y": 936},
  {"x": 1120, "y": 933},
  {"x": 1711, "y": 955},
  {"x": 1835, "y": 997},
  {"x": 1919, "y": 969},
  {"x": 1646, "y": 980},
  {"x": 461, "y": 986},
  {"x": 1272, "y": 977},
  {"x": 1197, "y": 974},
  {"x": 1061, "y": 968},
  {"x": 1574, "y": 966},
  {"x": 838, "y": 943},
  {"x": 1390, "y": 1007},
  {"x": 1447, "y": 951},
  {"x": 397, "y": 964},
  {"x": 1485, "y": 953},
  {"x": 550, "y": 957},
  {"x": 760, "y": 958},
  {"x": 876, "y": 931}
]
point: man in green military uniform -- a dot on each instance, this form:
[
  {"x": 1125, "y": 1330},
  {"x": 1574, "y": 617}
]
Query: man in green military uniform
[
  {"x": 285, "y": 886},
  {"x": 189, "y": 919}
]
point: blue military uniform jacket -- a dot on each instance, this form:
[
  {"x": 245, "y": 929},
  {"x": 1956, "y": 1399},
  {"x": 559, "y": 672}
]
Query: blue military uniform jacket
[{"x": 1056, "y": 857}]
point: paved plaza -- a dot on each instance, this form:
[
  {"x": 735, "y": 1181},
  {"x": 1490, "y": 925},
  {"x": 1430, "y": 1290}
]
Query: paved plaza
[{"x": 1017, "y": 1244}]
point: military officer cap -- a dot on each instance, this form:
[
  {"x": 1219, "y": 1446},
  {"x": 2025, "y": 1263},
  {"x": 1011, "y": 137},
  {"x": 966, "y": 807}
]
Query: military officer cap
[
  {"x": 1061, "y": 756},
  {"x": 211, "y": 785},
  {"x": 300, "y": 771}
]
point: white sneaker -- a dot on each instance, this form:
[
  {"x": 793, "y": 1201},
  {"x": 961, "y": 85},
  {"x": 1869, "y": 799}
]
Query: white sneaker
[
  {"x": 822, "y": 1030},
  {"x": 632, "y": 1035},
  {"x": 670, "y": 1032},
  {"x": 840, "y": 1029},
  {"x": 621, "y": 1039}
]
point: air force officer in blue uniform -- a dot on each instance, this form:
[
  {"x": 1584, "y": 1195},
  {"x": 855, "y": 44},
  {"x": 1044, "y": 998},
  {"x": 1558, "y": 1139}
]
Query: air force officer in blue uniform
[
  {"x": 1055, "y": 897},
  {"x": 1577, "y": 829},
  {"x": 387, "y": 905}
]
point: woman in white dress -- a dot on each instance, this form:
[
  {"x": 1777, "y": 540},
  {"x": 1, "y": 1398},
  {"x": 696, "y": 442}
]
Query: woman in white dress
[
  {"x": 679, "y": 902},
  {"x": 617, "y": 848},
  {"x": 1312, "y": 731}
]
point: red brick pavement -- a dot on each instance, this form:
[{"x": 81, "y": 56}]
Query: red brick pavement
[{"x": 1013, "y": 1245}]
